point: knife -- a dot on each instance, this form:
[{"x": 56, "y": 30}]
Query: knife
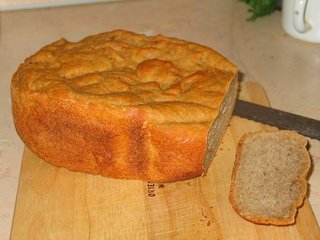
[{"x": 280, "y": 119}]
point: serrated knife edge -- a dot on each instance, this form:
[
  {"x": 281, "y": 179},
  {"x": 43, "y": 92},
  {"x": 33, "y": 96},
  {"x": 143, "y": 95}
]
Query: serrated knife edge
[{"x": 283, "y": 120}]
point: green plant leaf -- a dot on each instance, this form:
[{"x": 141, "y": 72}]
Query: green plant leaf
[{"x": 260, "y": 8}]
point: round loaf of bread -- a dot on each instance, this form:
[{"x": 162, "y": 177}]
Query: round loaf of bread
[{"x": 125, "y": 105}]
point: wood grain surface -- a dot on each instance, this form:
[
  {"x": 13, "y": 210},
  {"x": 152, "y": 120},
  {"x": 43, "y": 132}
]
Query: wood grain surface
[{"x": 54, "y": 203}]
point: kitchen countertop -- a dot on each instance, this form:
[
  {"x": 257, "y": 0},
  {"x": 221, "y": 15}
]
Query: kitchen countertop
[{"x": 287, "y": 68}]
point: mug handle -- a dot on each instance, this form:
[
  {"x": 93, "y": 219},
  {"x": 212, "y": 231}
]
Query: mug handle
[{"x": 299, "y": 10}]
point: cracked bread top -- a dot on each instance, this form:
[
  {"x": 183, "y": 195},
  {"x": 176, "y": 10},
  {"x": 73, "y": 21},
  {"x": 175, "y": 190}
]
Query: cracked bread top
[{"x": 119, "y": 69}]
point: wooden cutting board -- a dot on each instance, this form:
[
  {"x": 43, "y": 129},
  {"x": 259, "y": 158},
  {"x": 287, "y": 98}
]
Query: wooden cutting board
[{"x": 54, "y": 203}]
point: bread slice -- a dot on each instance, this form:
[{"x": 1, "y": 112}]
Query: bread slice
[
  {"x": 125, "y": 105},
  {"x": 269, "y": 177}
]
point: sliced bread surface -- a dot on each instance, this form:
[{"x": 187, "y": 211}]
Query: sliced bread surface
[{"x": 269, "y": 178}]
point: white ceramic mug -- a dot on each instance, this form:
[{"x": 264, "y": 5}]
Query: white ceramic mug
[{"x": 301, "y": 19}]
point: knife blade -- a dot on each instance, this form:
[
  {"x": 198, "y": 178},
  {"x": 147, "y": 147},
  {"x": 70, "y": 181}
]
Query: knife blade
[{"x": 280, "y": 119}]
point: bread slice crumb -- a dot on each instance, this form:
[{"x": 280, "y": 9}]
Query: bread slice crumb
[{"x": 269, "y": 178}]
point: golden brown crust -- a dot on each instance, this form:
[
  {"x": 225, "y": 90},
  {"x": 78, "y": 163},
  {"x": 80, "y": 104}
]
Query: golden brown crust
[
  {"x": 302, "y": 179},
  {"x": 121, "y": 104}
]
